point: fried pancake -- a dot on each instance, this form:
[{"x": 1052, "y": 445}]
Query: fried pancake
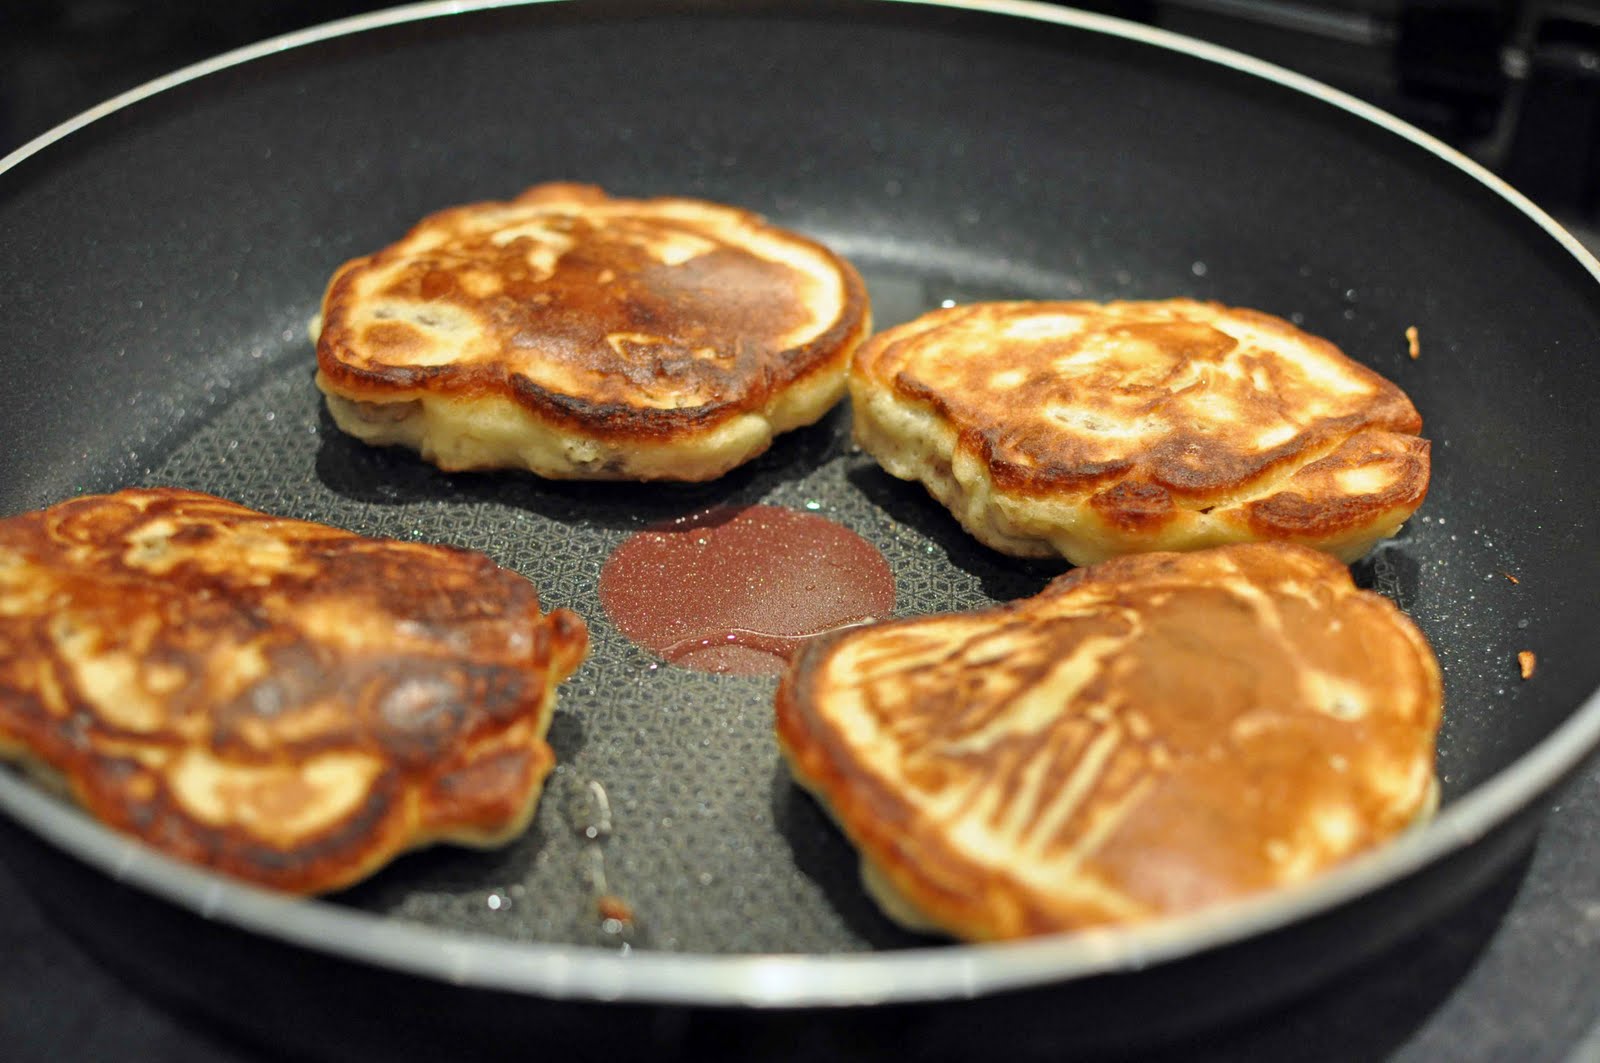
[
  {"x": 1092, "y": 430},
  {"x": 584, "y": 337},
  {"x": 1146, "y": 737},
  {"x": 282, "y": 701}
]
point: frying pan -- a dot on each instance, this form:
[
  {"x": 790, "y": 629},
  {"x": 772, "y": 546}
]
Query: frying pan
[{"x": 162, "y": 254}]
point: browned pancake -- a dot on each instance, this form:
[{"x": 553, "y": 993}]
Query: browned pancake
[
  {"x": 579, "y": 336},
  {"x": 282, "y": 701},
  {"x": 1091, "y": 430},
  {"x": 1148, "y": 736}
]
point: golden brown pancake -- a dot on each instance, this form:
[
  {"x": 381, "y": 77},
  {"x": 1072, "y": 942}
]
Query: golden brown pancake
[
  {"x": 1146, "y": 737},
  {"x": 584, "y": 337},
  {"x": 285, "y": 702},
  {"x": 1091, "y": 430}
]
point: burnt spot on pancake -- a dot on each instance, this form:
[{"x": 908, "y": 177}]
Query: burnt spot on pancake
[
  {"x": 1147, "y": 737},
  {"x": 597, "y": 337},
  {"x": 1092, "y": 430},
  {"x": 276, "y": 699}
]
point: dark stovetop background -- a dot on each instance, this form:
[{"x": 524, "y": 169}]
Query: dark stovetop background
[{"x": 1514, "y": 974}]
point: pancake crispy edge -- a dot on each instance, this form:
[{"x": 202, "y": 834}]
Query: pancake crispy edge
[
  {"x": 1090, "y": 430},
  {"x": 1147, "y": 737},
  {"x": 580, "y": 336},
  {"x": 285, "y": 702}
]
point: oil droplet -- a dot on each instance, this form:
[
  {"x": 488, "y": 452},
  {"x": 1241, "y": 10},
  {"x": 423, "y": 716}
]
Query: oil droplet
[{"x": 741, "y": 590}]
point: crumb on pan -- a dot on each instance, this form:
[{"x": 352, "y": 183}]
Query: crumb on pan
[
  {"x": 1527, "y": 661},
  {"x": 1413, "y": 348},
  {"x": 612, "y": 907}
]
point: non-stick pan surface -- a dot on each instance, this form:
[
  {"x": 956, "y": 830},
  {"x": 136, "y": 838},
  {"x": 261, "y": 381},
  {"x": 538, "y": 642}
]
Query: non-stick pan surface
[{"x": 160, "y": 263}]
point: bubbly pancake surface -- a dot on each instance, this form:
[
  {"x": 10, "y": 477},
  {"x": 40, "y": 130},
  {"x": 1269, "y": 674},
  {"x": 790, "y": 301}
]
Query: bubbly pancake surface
[
  {"x": 283, "y": 701},
  {"x": 1091, "y": 430},
  {"x": 1146, "y": 737},
  {"x": 581, "y": 336}
]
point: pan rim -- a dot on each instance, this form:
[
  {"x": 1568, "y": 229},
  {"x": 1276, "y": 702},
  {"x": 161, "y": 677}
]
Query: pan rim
[{"x": 568, "y": 972}]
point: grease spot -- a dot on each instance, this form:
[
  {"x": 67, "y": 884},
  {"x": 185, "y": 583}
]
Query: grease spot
[{"x": 741, "y": 590}]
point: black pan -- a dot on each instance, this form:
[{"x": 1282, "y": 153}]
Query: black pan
[{"x": 161, "y": 255}]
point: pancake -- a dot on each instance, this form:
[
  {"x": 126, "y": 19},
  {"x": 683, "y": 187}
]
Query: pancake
[
  {"x": 285, "y": 702},
  {"x": 1147, "y": 737},
  {"x": 1093, "y": 430},
  {"x": 582, "y": 337}
]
